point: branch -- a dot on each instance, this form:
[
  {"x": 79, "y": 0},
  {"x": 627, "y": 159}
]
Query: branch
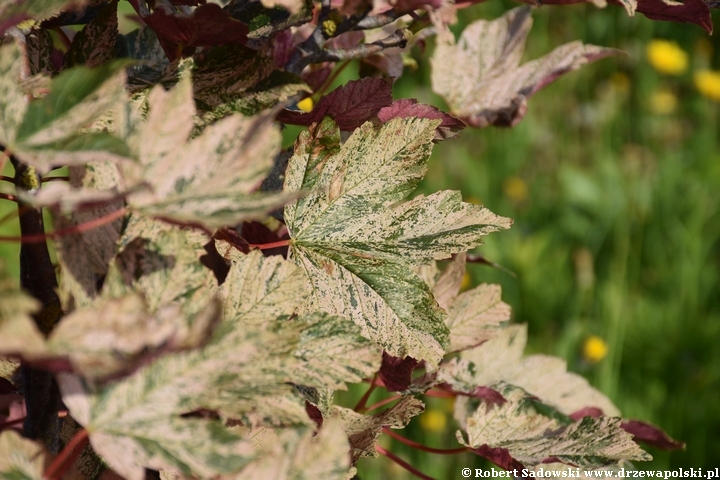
[
  {"x": 398, "y": 39},
  {"x": 382, "y": 402},
  {"x": 363, "y": 401},
  {"x": 377, "y": 21},
  {"x": 425, "y": 448},
  {"x": 66, "y": 458}
]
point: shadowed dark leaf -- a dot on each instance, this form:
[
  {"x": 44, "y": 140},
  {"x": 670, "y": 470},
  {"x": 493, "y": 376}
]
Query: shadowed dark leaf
[
  {"x": 350, "y": 105},
  {"x": 650, "y": 434},
  {"x": 396, "y": 373},
  {"x": 96, "y": 43},
  {"x": 499, "y": 456}
]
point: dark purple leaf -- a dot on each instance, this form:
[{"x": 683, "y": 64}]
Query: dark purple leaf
[
  {"x": 499, "y": 456},
  {"x": 409, "y": 107},
  {"x": 396, "y": 373},
  {"x": 650, "y": 434},
  {"x": 316, "y": 78},
  {"x": 350, "y": 105},
  {"x": 314, "y": 413},
  {"x": 593, "y": 412}
]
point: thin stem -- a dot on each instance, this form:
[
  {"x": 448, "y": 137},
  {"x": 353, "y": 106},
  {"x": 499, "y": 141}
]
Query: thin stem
[
  {"x": 440, "y": 394},
  {"x": 332, "y": 78},
  {"x": 424, "y": 448},
  {"x": 63, "y": 37},
  {"x": 7, "y": 196},
  {"x": 11, "y": 423},
  {"x": 382, "y": 402},
  {"x": 7, "y": 179},
  {"x": 83, "y": 227},
  {"x": 268, "y": 246},
  {"x": 55, "y": 179},
  {"x": 68, "y": 455},
  {"x": 402, "y": 463},
  {"x": 361, "y": 404}
]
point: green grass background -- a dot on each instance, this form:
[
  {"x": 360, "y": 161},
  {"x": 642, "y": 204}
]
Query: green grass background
[{"x": 616, "y": 194}]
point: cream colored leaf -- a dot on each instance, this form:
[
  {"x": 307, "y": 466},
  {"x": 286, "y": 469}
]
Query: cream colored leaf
[
  {"x": 21, "y": 459},
  {"x": 501, "y": 359},
  {"x": 210, "y": 180},
  {"x": 475, "y": 316},
  {"x": 447, "y": 286},
  {"x": 492, "y": 87},
  {"x": 300, "y": 454},
  {"x": 520, "y": 426},
  {"x": 364, "y": 430},
  {"x": 358, "y": 244},
  {"x": 18, "y": 333}
]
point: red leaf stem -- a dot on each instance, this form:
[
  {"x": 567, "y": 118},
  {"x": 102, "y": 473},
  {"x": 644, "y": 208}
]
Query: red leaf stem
[
  {"x": 402, "y": 463},
  {"x": 424, "y": 448},
  {"x": 7, "y": 196},
  {"x": 363, "y": 401},
  {"x": 267, "y": 246},
  {"x": 68, "y": 455},
  {"x": 382, "y": 402},
  {"x": 83, "y": 227}
]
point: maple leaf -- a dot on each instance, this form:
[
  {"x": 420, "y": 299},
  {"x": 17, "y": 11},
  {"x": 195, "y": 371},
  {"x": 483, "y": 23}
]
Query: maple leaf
[
  {"x": 350, "y": 105},
  {"x": 364, "y": 430},
  {"x": 21, "y": 458},
  {"x": 500, "y": 359},
  {"x": 50, "y": 131},
  {"x": 532, "y": 433},
  {"x": 95, "y": 44},
  {"x": 357, "y": 243},
  {"x": 304, "y": 454},
  {"x": 246, "y": 371},
  {"x": 210, "y": 180},
  {"x": 492, "y": 88}
]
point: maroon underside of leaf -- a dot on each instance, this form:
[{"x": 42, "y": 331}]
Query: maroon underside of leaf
[
  {"x": 690, "y": 11},
  {"x": 12, "y": 411},
  {"x": 491, "y": 397},
  {"x": 215, "y": 262},
  {"x": 409, "y": 107},
  {"x": 350, "y": 105},
  {"x": 317, "y": 77},
  {"x": 208, "y": 25},
  {"x": 256, "y": 233},
  {"x": 314, "y": 413},
  {"x": 396, "y": 373},
  {"x": 592, "y": 412},
  {"x": 651, "y": 435},
  {"x": 499, "y": 456},
  {"x": 6, "y": 386}
]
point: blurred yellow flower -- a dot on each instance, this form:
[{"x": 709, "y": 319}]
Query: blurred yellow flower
[
  {"x": 667, "y": 57},
  {"x": 433, "y": 421},
  {"x": 620, "y": 82},
  {"x": 466, "y": 282},
  {"x": 708, "y": 83},
  {"x": 515, "y": 189},
  {"x": 663, "y": 101},
  {"x": 473, "y": 199},
  {"x": 306, "y": 104},
  {"x": 594, "y": 349}
]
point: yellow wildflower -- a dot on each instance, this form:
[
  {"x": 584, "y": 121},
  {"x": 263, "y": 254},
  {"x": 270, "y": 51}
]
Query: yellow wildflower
[
  {"x": 466, "y": 282},
  {"x": 620, "y": 82},
  {"x": 667, "y": 57},
  {"x": 663, "y": 101},
  {"x": 708, "y": 83},
  {"x": 515, "y": 189},
  {"x": 306, "y": 104},
  {"x": 433, "y": 421},
  {"x": 594, "y": 349}
]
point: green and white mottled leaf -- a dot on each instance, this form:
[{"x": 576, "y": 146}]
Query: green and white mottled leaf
[
  {"x": 12, "y": 100},
  {"x": 299, "y": 454},
  {"x": 501, "y": 359},
  {"x": 492, "y": 87},
  {"x": 364, "y": 430},
  {"x": 21, "y": 459},
  {"x": 51, "y": 131},
  {"x": 447, "y": 286},
  {"x": 357, "y": 244},
  {"x": 210, "y": 180},
  {"x": 476, "y": 316},
  {"x": 95, "y": 44},
  {"x": 17, "y": 329},
  {"x": 568, "y": 470},
  {"x": 524, "y": 426}
]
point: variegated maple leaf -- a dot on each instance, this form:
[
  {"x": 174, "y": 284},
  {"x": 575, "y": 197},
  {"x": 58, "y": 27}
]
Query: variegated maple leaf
[
  {"x": 481, "y": 78},
  {"x": 247, "y": 372},
  {"x": 531, "y": 432},
  {"x": 210, "y": 180},
  {"x": 357, "y": 241}
]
